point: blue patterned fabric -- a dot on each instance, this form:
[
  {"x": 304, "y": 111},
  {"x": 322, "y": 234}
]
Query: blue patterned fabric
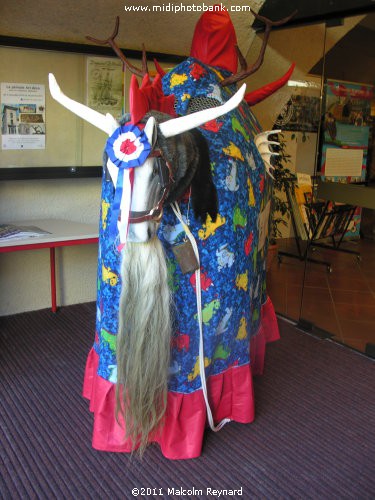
[{"x": 232, "y": 265}]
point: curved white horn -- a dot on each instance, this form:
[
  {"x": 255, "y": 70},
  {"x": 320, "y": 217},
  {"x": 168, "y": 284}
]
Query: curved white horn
[
  {"x": 104, "y": 122},
  {"x": 176, "y": 126}
]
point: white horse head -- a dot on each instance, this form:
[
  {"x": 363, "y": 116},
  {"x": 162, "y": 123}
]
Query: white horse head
[{"x": 154, "y": 177}]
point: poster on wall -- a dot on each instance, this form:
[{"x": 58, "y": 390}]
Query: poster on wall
[
  {"x": 301, "y": 110},
  {"x": 23, "y": 124},
  {"x": 346, "y": 125},
  {"x": 300, "y": 114},
  {"x": 105, "y": 84}
]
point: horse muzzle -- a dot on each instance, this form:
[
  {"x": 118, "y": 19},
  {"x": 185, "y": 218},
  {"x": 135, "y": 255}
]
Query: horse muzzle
[{"x": 165, "y": 180}]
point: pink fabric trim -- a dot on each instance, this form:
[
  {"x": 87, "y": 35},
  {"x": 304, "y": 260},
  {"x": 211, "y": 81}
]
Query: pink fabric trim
[
  {"x": 231, "y": 396},
  {"x": 268, "y": 332}
]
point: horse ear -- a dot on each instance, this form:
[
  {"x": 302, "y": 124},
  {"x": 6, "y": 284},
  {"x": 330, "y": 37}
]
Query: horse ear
[{"x": 149, "y": 129}]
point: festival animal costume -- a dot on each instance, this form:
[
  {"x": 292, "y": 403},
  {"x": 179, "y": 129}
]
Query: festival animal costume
[{"x": 237, "y": 316}]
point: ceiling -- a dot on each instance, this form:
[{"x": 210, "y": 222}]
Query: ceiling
[
  {"x": 161, "y": 31},
  {"x": 157, "y": 24},
  {"x": 356, "y": 46},
  {"x": 314, "y": 11}
]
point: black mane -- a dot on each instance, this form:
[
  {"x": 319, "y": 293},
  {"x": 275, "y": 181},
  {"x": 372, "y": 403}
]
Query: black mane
[{"x": 189, "y": 157}]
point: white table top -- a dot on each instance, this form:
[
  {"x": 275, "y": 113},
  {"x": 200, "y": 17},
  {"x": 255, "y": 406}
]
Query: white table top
[{"x": 60, "y": 230}]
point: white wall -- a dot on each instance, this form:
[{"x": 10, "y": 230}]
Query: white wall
[{"x": 24, "y": 275}]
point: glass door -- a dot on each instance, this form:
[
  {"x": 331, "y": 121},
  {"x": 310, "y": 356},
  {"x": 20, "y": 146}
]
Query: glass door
[
  {"x": 338, "y": 291},
  {"x": 298, "y": 118}
]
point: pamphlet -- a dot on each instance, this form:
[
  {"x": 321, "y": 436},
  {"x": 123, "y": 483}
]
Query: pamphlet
[{"x": 12, "y": 231}]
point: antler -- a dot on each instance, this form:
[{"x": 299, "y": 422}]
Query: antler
[
  {"x": 245, "y": 69},
  {"x": 111, "y": 42}
]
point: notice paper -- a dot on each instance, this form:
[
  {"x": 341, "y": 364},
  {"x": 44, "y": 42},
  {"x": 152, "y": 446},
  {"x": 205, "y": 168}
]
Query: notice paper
[
  {"x": 343, "y": 162},
  {"x": 23, "y": 124}
]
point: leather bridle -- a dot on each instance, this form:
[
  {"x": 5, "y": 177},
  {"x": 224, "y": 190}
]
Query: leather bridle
[{"x": 155, "y": 214}]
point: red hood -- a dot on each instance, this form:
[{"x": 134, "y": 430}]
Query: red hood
[{"x": 214, "y": 41}]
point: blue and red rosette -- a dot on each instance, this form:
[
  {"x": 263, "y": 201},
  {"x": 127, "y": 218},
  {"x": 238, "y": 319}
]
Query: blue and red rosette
[{"x": 127, "y": 147}]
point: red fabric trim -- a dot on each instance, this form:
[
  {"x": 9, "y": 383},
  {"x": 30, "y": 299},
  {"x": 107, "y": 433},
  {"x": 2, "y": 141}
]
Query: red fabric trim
[
  {"x": 269, "y": 332},
  {"x": 231, "y": 396}
]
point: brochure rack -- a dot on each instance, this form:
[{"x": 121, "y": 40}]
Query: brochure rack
[{"x": 322, "y": 220}]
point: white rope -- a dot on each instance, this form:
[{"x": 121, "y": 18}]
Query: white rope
[{"x": 198, "y": 293}]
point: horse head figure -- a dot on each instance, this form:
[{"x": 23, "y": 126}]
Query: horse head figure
[{"x": 172, "y": 153}]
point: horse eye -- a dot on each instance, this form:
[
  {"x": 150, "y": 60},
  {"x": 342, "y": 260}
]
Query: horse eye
[{"x": 154, "y": 169}]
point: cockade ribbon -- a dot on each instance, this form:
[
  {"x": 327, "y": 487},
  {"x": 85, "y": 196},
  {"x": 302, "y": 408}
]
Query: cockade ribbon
[{"x": 128, "y": 147}]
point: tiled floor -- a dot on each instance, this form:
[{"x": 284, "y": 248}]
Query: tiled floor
[{"x": 341, "y": 302}]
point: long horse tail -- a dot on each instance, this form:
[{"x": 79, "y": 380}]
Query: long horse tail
[{"x": 143, "y": 341}]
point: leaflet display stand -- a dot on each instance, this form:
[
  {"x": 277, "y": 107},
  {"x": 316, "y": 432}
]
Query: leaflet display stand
[{"x": 324, "y": 220}]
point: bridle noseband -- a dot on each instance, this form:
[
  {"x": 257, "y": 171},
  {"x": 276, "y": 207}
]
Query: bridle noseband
[{"x": 166, "y": 179}]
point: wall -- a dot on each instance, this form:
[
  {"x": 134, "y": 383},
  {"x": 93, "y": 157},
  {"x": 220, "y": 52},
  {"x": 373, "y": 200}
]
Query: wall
[
  {"x": 65, "y": 133},
  {"x": 25, "y": 280}
]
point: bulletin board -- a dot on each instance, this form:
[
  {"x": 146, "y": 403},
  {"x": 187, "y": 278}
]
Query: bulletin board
[
  {"x": 346, "y": 130},
  {"x": 345, "y": 134},
  {"x": 72, "y": 146}
]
